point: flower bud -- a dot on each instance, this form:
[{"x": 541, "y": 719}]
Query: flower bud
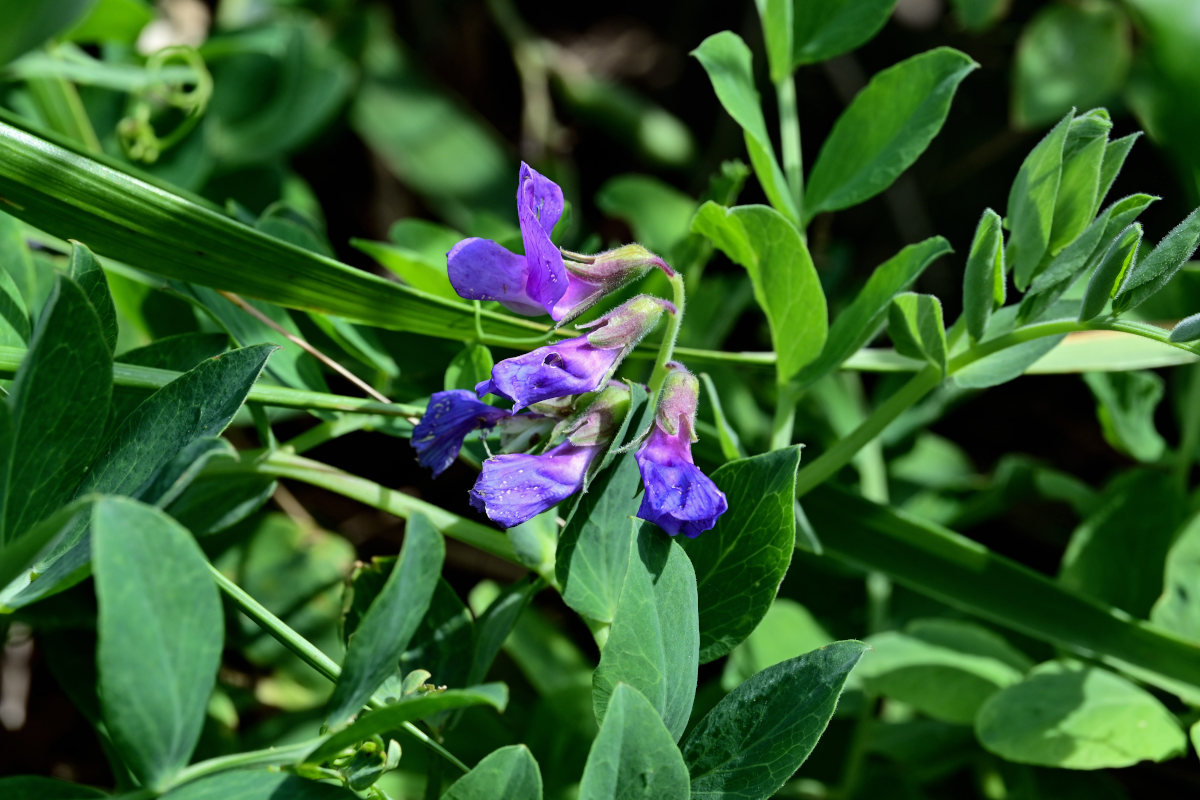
[
  {"x": 590, "y": 278},
  {"x": 626, "y": 324}
]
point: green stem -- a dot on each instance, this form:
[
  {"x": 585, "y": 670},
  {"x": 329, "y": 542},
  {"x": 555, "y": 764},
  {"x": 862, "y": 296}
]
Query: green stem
[
  {"x": 667, "y": 349},
  {"x": 785, "y": 416},
  {"x": 60, "y": 105},
  {"x": 789, "y": 135},
  {"x": 269, "y": 757},
  {"x": 307, "y": 652}
]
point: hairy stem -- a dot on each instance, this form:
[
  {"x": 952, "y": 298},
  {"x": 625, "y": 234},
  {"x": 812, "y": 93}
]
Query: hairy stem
[{"x": 666, "y": 350}]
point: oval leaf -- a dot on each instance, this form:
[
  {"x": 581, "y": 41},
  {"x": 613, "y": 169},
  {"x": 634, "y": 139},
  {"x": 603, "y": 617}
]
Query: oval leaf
[
  {"x": 1077, "y": 717},
  {"x": 983, "y": 281},
  {"x": 160, "y": 632},
  {"x": 1031, "y": 203},
  {"x": 761, "y": 732},
  {"x": 884, "y": 129},
  {"x": 741, "y": 562},
  {"x": 654, "y": 641},
  {"x": 832, "y": 27},
  {"x": 1152, "y": 273},
  {"x": 509, "y": 772},
  {"x": 633, "y": 755}
]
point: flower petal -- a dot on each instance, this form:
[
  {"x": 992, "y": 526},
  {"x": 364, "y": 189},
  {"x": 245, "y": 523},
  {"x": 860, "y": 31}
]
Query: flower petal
[
  {"x": 539, "y": 207},
  {"x": 572, "y": 366},
  {"x": 679, "y": 498},
  {"x": 514, "y": 488},
  {"x": 448, "y": 418},
  {"x": 480, "y": 269}
]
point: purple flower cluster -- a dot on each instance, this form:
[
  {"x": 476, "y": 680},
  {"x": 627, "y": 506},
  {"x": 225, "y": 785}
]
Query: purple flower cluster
[{"x": 564, "y": 390}]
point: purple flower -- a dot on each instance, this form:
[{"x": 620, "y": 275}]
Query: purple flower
[
  {"x": 572, "y": 366},
  {"x": 679, "y": 497},
  {"x": 516, "y": 487},
  {"x": 480, "y": 269},
  {"x": 575, "y": 366},
  {"x": 449, "y": 417},
  {"x": 541, "y": 282}
]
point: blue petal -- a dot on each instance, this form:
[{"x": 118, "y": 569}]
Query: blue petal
[
  {"x": 572, "y": 366},
  {"x": 513, "y": 488},
  {"x": 539, "y": 207},
  {"x": 448, "y": 418},
  {"x": 679, "y": 498},
  {"x": 480, "y": 269}
]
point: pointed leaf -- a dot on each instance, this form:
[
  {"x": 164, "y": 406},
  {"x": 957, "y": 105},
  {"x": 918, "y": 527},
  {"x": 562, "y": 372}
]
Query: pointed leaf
[
  {"x": 1115, "y": 153},
  {"x": 762, "y": 731},
  {"x": 916, "y": 328},
  {"x": 654, "y": 639},
  {"x": 634, "y": 755},
  {"x": 776, "y": 16},
  {"x": 859, "y": 322},
  {"x": 85, "y": 270},
  {"x": 741, "y": 562},
  {"x": 884, "y": 129},
  {"x": 374, "y": 650},
  {"x": 1083, "y": 153},
  {"x": 1031, "y": 204},
  {"x": 59, "y": 404},
  {"x": 1187, "y": 329},
  {"x": 784, "y": 278},
  {"x": 832, "y": 27},
  {"x": 508, "y": 772},
  {"x": 1153, "y": 272},
  {"x": 160, "y": 615},
  {"x": 984, "y": 278},
  {"x": 1120, "y": 257},
  {"x": 727, "y": 60}
]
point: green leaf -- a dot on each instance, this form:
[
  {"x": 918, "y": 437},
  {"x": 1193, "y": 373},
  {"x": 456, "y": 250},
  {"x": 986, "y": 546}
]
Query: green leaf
[
  {"x": 634, "y": 755},
  {"x": 112, "y": 210},
  {"x": 916, "y": 328},
  {"x": 59, "y": 403},
  {"x": 761, "y": 732},
  {"x": 160, "y": 615},
  {"x": 1115, "y": 153},
  {"x": 419, "y": 269},
  {"x": 1103, "y": 561},
  {"x": 859, "y": 322},
  {"x": 884, "y": 129},
  {"x": 727, "y": 60},
  {"x": 784, "y": 278},
  {"x": 1153, "y": 272},
  {"x": 1187, "y": 329},
  {"x": 1078, "y": 187},
  {"x": 827, "y": 29},
  {"x": 1078, "y": 257},
  {"x": 984, "y": 278},
  {"x": 979, "y": 15},
  {"x": 469, "y": 366},
  {"x": 374, "y": 649},
  {"x": 1125, "y": 405},
  {"x": 412, "y": 707},
  {"x": 146, "y": 441},
  {"x": 654, "y": 639},
  {"x": 112, "y": 20},
  {"x": 493, "y": 626},
  {"x": 1031, "y": 204},
  {"x": 257, "y": 785},
  {"x": 1069, "y": 55},
  {"x": 1072, "y": 716},
  {"x": 27, "y": 25},
  {"x": 1005, "y": 364},
  {"x": 787, "y": 630},
  {"x": 749, "y": 548},
  {"x": 33, "y": 787},
  {"x": 16, "y": 261},
  {"x": 1118, "y": 259},
  {"x": 952, "y": 569},
  {"x": 658, "y": 214},
  {"x": 508, "y": 772},
  {"x": 85, "y": 270},
  {"x": 591, "y": 561},
  {"x": 731, "y": 444},
  {"x": 943, "y": 668},
  {"x": 776, "y": 17},
  {"x": 1178, "y": 609}
]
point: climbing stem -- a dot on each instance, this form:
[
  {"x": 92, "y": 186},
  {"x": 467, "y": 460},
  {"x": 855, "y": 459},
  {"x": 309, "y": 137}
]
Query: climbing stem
[{"x": 667, "y": 349}]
